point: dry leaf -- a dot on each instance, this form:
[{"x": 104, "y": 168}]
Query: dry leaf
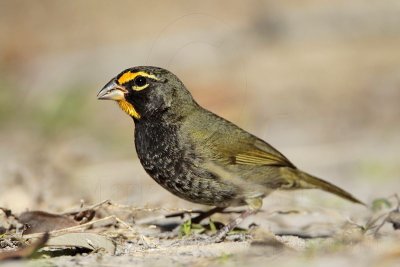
[
  {"x": 83, "y": 240},
  {"x": 40, "y": 222}
]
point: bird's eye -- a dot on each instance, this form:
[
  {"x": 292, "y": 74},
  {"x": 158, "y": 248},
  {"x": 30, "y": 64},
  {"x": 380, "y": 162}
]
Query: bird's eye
[{"x": 140, "y": 81}]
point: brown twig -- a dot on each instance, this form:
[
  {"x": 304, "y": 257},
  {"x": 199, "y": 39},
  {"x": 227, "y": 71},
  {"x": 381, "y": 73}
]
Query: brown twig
[
  {"x": 147, "y": 209},
  {"x": 92, "y": 207},
  {"x": 103, "y": 221},
  {"x": 389, "y": 216}
]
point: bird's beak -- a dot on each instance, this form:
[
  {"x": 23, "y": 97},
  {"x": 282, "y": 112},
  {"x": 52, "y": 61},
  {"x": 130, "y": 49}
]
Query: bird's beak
[{"x": 112, "y": 91}]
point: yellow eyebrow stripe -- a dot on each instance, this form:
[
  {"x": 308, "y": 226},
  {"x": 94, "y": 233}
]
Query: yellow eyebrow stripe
[{"x": 129, "y": 76}]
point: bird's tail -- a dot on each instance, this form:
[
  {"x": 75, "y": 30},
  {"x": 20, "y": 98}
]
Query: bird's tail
[{"x": 308, "y": 181}]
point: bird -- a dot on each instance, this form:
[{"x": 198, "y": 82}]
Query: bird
[{"x": 196, "y": 154}]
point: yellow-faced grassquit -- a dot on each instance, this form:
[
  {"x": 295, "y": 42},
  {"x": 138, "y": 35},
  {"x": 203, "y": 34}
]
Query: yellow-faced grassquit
[{"x": 197, "y": 155}]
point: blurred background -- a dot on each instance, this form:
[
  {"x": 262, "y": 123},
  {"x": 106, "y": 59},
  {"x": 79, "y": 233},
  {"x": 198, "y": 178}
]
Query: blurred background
[{"x": 319, "y": 80}]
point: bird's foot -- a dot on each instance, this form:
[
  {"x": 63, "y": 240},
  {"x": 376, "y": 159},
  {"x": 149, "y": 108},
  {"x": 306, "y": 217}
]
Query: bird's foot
[{"x": 194, "y": 233}]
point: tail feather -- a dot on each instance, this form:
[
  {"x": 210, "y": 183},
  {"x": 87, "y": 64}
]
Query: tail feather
[{"x": 309, "y": 181}]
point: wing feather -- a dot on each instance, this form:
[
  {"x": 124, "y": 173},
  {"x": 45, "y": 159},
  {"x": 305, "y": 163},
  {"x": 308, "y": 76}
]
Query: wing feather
[{"x": 255, "y": 153}]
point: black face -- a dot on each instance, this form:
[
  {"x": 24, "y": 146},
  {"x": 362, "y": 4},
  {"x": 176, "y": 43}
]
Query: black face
[{"x": 148, "y": 92}]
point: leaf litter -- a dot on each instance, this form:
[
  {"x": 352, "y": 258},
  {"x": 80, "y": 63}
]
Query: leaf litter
[{"x": 112, "y": 229}]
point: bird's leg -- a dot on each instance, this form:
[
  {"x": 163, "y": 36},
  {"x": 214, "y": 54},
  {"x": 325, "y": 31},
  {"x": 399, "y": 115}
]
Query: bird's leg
[
  {"x": 223, "y": 232},
  {"x": 207, "y": 214},
  {"x": 254, "y": 205}
]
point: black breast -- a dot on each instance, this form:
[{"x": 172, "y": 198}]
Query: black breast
[{"x": 175, "y": 165}]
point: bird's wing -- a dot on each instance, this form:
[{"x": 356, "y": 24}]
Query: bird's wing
[
  {"x": 226, "y": 142},
  {"x": 256, "y": 153}
]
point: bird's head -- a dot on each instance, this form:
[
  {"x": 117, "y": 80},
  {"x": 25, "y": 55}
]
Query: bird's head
[{"x": 143, "y": 92}]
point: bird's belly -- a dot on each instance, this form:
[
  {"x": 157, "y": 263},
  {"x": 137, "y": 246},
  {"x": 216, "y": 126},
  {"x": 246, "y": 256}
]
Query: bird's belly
[
  {"x": 192, "y": 184},
  {"x": 177, "y": 167}
]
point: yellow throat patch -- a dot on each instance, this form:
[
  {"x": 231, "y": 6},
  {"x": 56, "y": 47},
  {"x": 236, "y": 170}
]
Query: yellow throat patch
[{"x": 129, "y": 109}]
